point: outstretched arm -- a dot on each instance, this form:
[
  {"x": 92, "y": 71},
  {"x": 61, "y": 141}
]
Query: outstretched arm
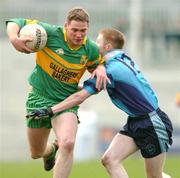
[{"x": 73, "y": 100}]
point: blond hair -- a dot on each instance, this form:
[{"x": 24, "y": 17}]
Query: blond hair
[
  {"x": 114, "y": 37},
  {"x": 78, "y": 14}
]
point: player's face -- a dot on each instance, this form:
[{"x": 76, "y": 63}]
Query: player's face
[
  {"x": 101, "y": 44},
  {"x": 76, "y": 32}
]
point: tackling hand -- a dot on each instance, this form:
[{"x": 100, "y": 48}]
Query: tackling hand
[
  {"x": 102, "y": 79},
  {"x": 40, "y": 114}
]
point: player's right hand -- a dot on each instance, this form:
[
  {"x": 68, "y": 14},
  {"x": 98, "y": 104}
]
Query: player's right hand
[
  {"x": 20, "y": 44},
  {"x": 40, "y": 114}
]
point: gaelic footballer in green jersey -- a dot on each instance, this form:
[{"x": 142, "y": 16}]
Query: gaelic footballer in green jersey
[{"x": 59, "y": 67}]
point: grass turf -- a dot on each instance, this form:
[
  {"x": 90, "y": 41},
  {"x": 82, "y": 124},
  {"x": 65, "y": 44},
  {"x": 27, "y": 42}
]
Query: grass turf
[{"x": 90, "y": 169}]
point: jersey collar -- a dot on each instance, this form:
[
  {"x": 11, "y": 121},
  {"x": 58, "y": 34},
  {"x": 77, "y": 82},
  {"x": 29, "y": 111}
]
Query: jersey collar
[{"x": 113, "y": 53}]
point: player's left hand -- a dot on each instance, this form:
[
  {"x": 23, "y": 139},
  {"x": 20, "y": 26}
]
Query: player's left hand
[
  {"x": 100, "y": 73},
  {"x": 40, "y": 114}
]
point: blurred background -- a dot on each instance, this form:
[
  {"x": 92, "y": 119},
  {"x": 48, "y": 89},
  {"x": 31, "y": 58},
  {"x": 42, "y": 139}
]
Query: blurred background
[{"x": 152, "y": 30}]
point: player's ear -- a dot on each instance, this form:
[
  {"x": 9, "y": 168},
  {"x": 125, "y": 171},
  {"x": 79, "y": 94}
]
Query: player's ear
[
  {"x": 65, "y": 24},
  {"x": 108, "y": 47}
]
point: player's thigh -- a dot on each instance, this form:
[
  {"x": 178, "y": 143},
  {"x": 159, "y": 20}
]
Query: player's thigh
[
  {"x": 155, "y": 165},
  {"x": 121, "y": 147},
  {"x": 37, "y": 138},
  {"x": 65, "y": 126}
]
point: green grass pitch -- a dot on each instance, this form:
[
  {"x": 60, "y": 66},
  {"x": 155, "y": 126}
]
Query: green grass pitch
[{"x": 90, "y": 169}]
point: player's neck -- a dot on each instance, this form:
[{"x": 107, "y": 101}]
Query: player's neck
[{"x": 73, "y": 46}]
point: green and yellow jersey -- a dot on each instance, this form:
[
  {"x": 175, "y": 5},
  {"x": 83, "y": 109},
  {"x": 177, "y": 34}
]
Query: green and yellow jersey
[{"x": 59, "y": 68}]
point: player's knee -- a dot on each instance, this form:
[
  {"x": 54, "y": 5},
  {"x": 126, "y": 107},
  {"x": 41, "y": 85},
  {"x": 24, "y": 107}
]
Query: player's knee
[
  {"x": 67, "y": 144},
  {"x": 106, "y": 160}
]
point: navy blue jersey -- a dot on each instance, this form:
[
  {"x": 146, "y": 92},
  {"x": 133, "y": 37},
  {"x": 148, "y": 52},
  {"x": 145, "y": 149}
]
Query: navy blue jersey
[{"x": 129, "y": 90}]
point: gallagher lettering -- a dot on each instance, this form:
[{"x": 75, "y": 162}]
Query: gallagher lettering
[{"x": 62, "y": 74}]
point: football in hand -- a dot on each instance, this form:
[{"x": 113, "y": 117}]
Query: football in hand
[{"x": 38, "y": 35}]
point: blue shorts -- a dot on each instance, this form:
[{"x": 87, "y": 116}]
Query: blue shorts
[{"x": 152, "y": 133}]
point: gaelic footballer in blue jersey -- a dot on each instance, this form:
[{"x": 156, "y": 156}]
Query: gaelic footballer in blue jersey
[{"x": 148, "y": 128}]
